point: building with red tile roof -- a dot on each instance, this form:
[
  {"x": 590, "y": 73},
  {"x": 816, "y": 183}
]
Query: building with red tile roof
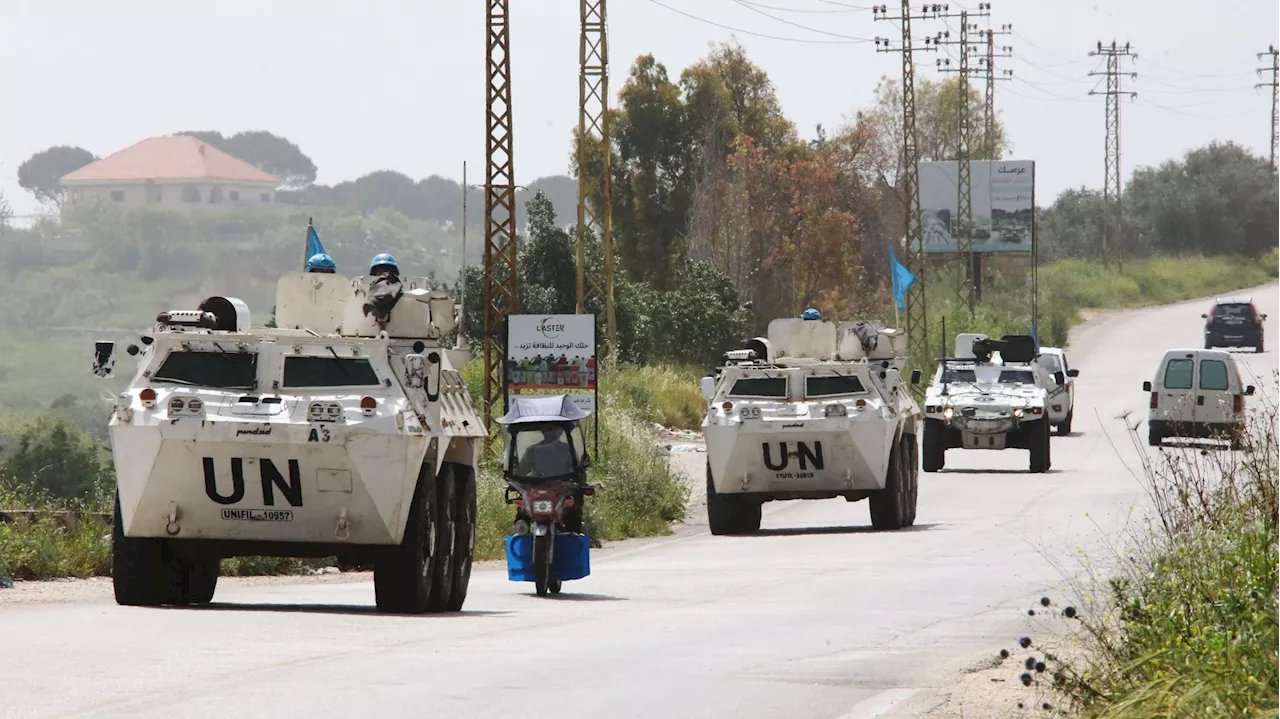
[{"x": 176, "y": 171}]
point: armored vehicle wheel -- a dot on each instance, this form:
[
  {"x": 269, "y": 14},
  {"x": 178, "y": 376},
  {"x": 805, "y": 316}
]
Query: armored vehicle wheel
[
  {"x": 446, "y": 537},
  {"x": 729, "y": 513},
  {"x": 934, "y": 452},
  {"x": 404, "y": 576},
  {"x": 911, "y": 460},
  {"x": 541, "y": 567},
  {"x": 199, "y": 579},
  {"x": 141, "y": 573},
  {"x": 1065, "y": 427},
  {"x": 1038, "y": 444},
  {"x": 889, "y": 505},
  {"x": 464, "y": 542}
]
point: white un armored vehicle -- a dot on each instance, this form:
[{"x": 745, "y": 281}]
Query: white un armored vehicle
[
  {"x": 334, "y": 434},
  {"x": 813, "y": 411},
  {"x": 987, "y": 397}
]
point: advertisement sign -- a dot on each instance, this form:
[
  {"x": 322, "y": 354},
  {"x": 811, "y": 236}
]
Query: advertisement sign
[
  {"x": 555, "y": 353},
  {"x": 1002, "y": 193}
]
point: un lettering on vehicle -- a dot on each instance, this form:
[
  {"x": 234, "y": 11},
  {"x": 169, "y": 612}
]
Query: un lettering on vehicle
[
  {"x": 272, "y": 480},
  {"x": 258, "y": 515},
  {"x": 808, "y": 458}
]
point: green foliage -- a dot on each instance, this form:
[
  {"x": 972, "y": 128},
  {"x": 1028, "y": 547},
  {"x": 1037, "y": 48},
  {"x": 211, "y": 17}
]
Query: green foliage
[
  {"x": 1218, "y": 200},
  {"x": 61, "y": 543},
  {"x": 55, "y": 456},
  {"x": 694, "y": 321},
  {"x": 42, "y": 173},
  {"x": 268, "y": 152},
  {"x": 1188, "y": 626},
  {"x": 662, "y": 394}
]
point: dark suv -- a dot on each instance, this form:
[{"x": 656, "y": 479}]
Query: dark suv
[{"x": 1233, "y": 324}]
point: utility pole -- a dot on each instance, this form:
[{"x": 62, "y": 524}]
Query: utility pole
[
  {"x": 593, "y": 121},
  {"x": 501, "y": 283},
  {"x": 988, "y": 65},
  {"x": 1113, "y": 212},
  {"x": 917, "y": 317},
  {"x": 1275, "y": 95},
  {"x": 966, "y": 276}
]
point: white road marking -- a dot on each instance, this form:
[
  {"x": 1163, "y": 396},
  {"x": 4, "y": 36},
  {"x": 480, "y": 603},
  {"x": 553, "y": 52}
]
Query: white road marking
[{"x": 880, "y": 704}]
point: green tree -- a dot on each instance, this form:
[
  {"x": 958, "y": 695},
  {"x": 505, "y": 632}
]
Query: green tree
[
  {"x": 42, "y": 173},
  {"x": 938, "y": 112},
  {"x": 268, "y": 152},
  {"x": 1216, "y": 200},
  {"x": 55, "y": 456},
  {"x": 1072, "y": 226}
]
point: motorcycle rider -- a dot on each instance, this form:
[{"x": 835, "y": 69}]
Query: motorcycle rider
[{"x": 552, "y": 457}]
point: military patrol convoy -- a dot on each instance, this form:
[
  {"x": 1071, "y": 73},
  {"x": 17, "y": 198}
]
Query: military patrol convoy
[
  {"x": 346, "y": 430},
  {"x": 340, "y": 432}
]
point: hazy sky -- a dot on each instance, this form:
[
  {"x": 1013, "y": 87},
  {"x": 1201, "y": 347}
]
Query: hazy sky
[{"x": 399, "y": 84}]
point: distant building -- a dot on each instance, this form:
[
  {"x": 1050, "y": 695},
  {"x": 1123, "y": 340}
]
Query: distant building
[{"x": 177, "y": 172}]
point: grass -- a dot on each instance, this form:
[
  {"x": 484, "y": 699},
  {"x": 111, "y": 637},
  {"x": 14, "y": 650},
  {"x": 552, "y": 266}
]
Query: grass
[{"x": 1182, "y": 620}]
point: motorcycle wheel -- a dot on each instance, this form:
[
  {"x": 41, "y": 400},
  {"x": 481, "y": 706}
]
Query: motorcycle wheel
[{"x": 542, "y": 564}]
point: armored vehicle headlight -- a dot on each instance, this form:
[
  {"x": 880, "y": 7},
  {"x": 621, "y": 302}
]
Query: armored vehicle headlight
[
  {"x": 148, "y": 397},
  {"x": 1017, "y": 412},
  {"x": 367, "y": 405},
  {"x": 176, "y": 404},
  {"x": 194, "y": 404},
  {"x": 860, "y": 403},
  {"x": 948, "y": 412},
  {"x": 837, "y": 410},
  {"x": 750, "y": 413}
]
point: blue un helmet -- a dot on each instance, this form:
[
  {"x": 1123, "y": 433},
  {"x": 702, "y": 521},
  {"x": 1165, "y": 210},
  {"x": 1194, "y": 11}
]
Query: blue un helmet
[
  {"x": 811, "y": 314},
  {"x": 320, "y": 262},
  {"x": 382, "y": 264}
]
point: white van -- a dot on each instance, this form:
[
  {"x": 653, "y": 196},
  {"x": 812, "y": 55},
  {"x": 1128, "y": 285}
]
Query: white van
[{"x": 1196, "y": 394}]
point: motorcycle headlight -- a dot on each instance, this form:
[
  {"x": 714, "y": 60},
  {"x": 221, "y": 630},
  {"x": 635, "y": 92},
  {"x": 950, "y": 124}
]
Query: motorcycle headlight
[{"x": 541, "y": 506}]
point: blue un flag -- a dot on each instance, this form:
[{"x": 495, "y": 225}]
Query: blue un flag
[
  {"x": 902, "y": 279},
  {"x": 313, "y": 245}
]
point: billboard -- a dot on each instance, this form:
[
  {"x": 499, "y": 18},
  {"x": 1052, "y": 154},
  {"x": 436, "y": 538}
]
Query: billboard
[
  {"x": 1003, "y": 197},
  {"x": 555, "y": 353}
]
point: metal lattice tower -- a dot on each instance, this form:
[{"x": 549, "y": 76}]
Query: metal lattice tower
[
  {"x": 988, "y": 66},
  {"x": 501, "y": 282},
  {"x": 593, "y": 120},
  {"x": 964, "y": 168},
  {"x": 917, "y": 316},
  {"x": 1274, "y": 84},
  {"x": 1112, "y": 190}
]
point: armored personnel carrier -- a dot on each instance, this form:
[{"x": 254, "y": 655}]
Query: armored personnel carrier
[
  {"x": 335, "y": 433},
  {"x": 988, "y": 397},
  {"x": 815, "y": 410}
]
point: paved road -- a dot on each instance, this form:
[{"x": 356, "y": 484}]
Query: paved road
[{"x": 815, "y": 617}]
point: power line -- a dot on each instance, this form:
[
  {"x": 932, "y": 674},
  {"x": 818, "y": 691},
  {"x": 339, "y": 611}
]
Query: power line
[
  {"x": 767, "y": 36},
  {"x": 796, "y": 24},
  {"x": 808, "y": 11}
]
